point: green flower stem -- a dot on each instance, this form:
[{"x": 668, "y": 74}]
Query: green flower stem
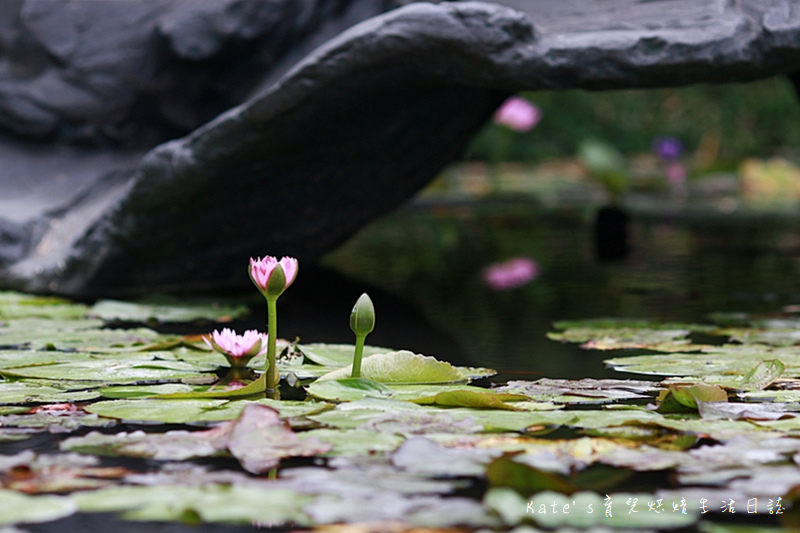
[
  {"x": 273, "y": 376},
  {"x": 356, "y": 373}
]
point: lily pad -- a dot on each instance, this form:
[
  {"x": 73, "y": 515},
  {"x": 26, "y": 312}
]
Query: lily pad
[
  {"x": 164, "y": 309},
  {"x": 581, "y": 391},
  {"x": 130, "y": 369},
  {"x": 402, "y": 367},
  {"x": 257, "y": 438},
  {"x": 185, "y": 411},
  {"x": 336, "y": 355},
  {"x": 16, "y": 507},
  {"x": 18, "y": 305},
  {"x": 209, "y": 503}
]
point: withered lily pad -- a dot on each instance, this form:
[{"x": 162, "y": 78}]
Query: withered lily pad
[
  {"x": 424, "y": 456},
  {"x": 581, "y": 391},
  {"x": 26, "y": 472},
  {"x": 258, "y": 439}
]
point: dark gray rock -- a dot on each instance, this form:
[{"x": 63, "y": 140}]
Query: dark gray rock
[{"x": 347, "y": 133}]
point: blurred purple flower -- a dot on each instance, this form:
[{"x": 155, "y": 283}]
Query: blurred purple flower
[
  {"x": 511, "y": 274},
  {"x": 518, "y": 114},
  {"x": 667, "y": 148}
]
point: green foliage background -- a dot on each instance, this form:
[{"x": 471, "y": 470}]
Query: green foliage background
[{"x": 751, "y": 119}]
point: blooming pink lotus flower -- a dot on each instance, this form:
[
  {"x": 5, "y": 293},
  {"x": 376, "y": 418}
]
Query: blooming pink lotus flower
[
  {"x": 518, "y": 114},
  {"x": 237, "y": 349},
  {"x": 261, "y": 270},
  {"x": 511, "y": 274}
]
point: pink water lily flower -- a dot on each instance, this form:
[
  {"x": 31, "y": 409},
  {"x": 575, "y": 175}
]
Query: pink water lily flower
[
  {"x": 262, "y": 269},
  {"x": 237, "y": 349},
  {"x": 511, "y": 274},
  {"x": 518, "y": 114}
]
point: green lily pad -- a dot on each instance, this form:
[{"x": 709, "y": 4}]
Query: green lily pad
[
  {"x": 402, "y": 367},
  {"x": 626, "y": 338},
  {"x": 16, "y": 392},
  {"x": 180, "y": 411},
  {"x": 209, "y": 503},
  {"x": 143, "y": 391},
  {"x": 354, "y": 441},
  {"x": 735, "y": 362},
  {"x": 336, "y": 355},
  {"x": 131, "y": 369},
  {"x": 16, "y": 508},
  {"x": 166, "y": 309},
  {"x": 83, "y": 335},
  {"x": 475, "y": 398},
  {"x": 18, "y": 305}
]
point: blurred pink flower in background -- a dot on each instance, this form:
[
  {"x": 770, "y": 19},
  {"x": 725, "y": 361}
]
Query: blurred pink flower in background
[
  {"x": 676, "y": 174},
  {"x": 511, "y": 274},
  {"x": 518, "y": 114}
]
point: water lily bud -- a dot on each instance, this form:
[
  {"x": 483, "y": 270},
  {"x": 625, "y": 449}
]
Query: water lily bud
[
  {"x": 276, "y": 283},
  {"x": 362, "y": 318}
]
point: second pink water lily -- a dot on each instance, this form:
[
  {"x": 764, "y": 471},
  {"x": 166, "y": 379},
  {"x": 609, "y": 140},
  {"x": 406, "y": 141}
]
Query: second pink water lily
[{"x": 237, "y": 349}]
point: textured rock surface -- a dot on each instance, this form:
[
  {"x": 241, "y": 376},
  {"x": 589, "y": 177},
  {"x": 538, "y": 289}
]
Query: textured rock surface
[{"x": 350, "y": 131}]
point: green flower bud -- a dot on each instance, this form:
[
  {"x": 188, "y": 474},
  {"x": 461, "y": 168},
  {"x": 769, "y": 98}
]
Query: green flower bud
[
  {"x": 362, "y": 318},
  {"x": 276, "y": 283}
]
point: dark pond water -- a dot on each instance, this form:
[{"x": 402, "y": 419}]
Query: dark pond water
[
  {"x": 684, "y": 263},
  {"x": 423, "y": 268}
]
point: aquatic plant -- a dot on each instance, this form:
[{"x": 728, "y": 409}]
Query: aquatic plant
[
  {"x": 272, "y": 277},
  {"x": 237, "y": 349},
  {"x": 362, "y": 322}
]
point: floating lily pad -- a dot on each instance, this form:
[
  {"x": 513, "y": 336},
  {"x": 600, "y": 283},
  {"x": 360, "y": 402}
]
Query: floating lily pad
[
  {"x": 37, "y": 474},
  {"x": 83, "y": 335},
  {"x": 209, "y": 503},
  {"x": 178, "y": 411},
  {"x": 16, "y": 507},
  {"x": 16, "y": 392},
  {"x": 257, "y": 438},
  {"x": 336, "y": 355},
  {"x": 474, "y": 398},
  {"x": 733, "y": 361},
  {"x": 131, "y": 369},
  {"x": 165, "y": 309},
  {"x": 402, "y": 367},
  {"x": 625, "y": 338},
  {"x": 581, "y": 391},
  {"x": 17, "y": 305}
]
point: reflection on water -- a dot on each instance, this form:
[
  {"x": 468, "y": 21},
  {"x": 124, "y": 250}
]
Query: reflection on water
[{"x": 432, "y": 255}]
